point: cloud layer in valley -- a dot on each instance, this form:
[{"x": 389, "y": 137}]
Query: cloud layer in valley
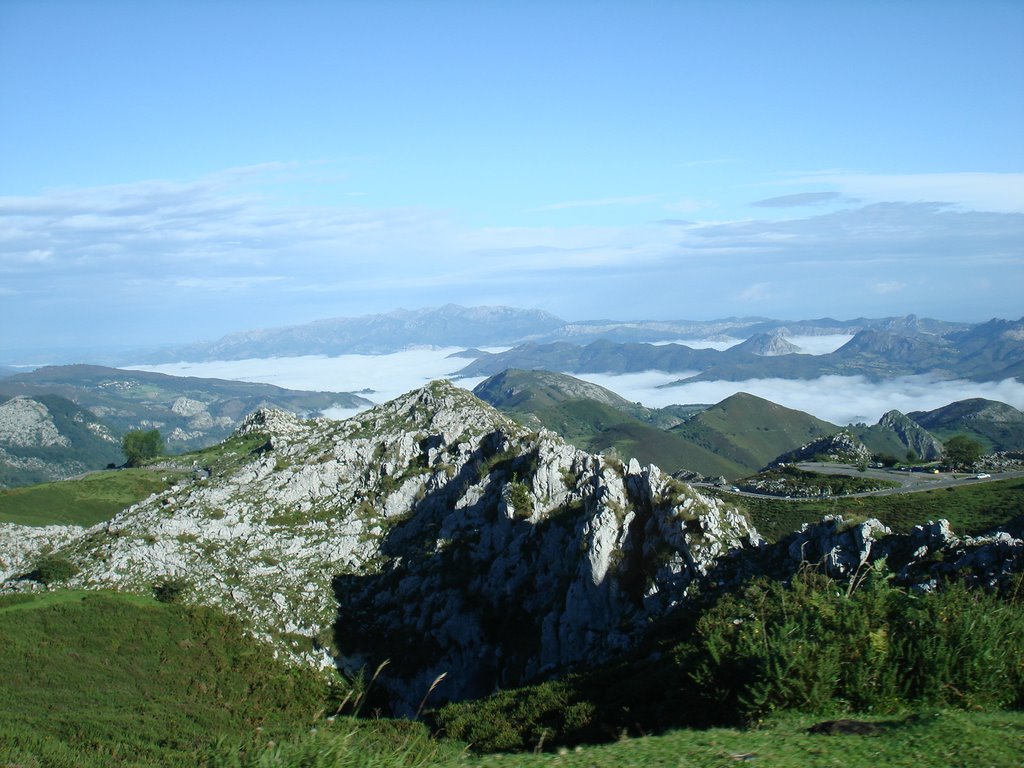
[{"x": 838, "y": 399}]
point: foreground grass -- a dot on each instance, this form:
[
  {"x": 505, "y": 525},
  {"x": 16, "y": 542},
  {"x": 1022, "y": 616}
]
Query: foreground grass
[
  {"x": 86, "y": 501},
  {"x": 933, "y": 739},
  {"x": 101, "y": 679},
  {"x": 970, "y": 509},
  {"x": 942, "y": 738}
]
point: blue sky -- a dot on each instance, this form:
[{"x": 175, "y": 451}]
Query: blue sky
[{"x": 173, "y": 171}]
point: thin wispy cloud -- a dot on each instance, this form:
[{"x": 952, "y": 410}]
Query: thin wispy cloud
[
  {"x": 995, "y": 192},
  {"x": 600, "y": 202},
  {"x": 169, "y": 245},
  {"x": 757, "y": 292},
  {"x": 800, "y": 199},
  {"x": 888, "y": 286}
]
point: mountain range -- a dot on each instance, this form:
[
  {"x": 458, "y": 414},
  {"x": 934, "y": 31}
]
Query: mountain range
[
  {"x": 991, "y": 351},
  {"x": 59, "y": 421},
  {"x": 496, "y": 326}
]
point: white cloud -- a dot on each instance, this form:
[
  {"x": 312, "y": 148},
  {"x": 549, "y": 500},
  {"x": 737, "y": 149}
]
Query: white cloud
[
  {"x": 838, "y": 399},
  {"x": 387, "y": 375},
  {"x": 687, "y": 206},
  {"x": 820, "y": 345},
  {"x": 757, "y": 292},
  {"x": 281, "y": 262},
  {"x": 888, "y": 286}
]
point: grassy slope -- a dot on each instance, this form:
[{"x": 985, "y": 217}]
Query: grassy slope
[
  {"x": 970, "y": 509},
  {"x": 751, "y": 431},
  {"x": 597, "y": 427},
  {"x": 937, "y": 739},
  {"x": 85, "y": 501},
  {"x": 98, "y": 497},
  {"x": 106, "y": 679}
]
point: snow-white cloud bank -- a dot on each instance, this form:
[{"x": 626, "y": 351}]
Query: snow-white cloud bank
[{"x": 838, "y": 399}]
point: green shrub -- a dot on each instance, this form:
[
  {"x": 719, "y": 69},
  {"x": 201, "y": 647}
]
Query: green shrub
[
  {"x": 52, "y": 569},
  {"x": 170, "y": 590},
  {"x": 814, "y": 648}
]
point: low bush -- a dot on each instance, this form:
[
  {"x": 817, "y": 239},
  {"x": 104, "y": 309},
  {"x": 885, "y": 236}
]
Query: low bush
[{"x": 53, "y": 569}]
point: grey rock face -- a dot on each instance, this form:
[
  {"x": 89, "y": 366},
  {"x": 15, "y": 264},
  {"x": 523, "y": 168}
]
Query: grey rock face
[
  {"x": 26, "y": 422},
  {"x": 840, "y": 447},
  {"x": 929, "y": 553},
  {"x": 915, "y": 437},
  {"x": 430, "y": 530}
]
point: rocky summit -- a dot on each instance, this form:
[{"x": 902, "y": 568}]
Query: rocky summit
[{"x": 431, "y": 532}]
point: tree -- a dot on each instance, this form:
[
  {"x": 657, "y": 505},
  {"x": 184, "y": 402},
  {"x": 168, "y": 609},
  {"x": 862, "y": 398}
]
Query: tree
[
  {"x": 140, "y": 445},
  {"x": 962, "y": 451}
]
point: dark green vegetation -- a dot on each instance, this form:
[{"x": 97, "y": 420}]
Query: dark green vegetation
[
  {"x": 87, "y": 444},
  {"x": 814, "y": 646},
  {"x": 929, "y": 739},
  {"x": 100, "y": 679},
  {"x": 970, "y": 509},
  {"x": 85, "y": 501},
  {"x": 962, "y": 451},
  {"x": 140, "y": 446}
]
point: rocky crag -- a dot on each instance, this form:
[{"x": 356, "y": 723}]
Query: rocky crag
[
  {"x": 436, "y": 533},
  {"x": 430, "y": 530},
  {"x": 841, "y": 447},
  {"x": 915, "y": 437}
]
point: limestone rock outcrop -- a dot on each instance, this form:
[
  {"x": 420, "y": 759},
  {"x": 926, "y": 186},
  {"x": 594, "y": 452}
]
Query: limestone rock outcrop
[{"x": 430, "y": 530}]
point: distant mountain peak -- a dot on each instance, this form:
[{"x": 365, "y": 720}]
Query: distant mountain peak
[{"x": 767, "y": 345}]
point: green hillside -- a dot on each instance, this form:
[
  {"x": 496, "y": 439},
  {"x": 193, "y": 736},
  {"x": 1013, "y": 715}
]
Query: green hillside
[
  {"x": 970, "y": 509},
  {"x": 85, "y": 501},
  {"x": 751, "y": 431},
  {"x": 997, "y": 426},
  {"x": 596, "y": 419}
]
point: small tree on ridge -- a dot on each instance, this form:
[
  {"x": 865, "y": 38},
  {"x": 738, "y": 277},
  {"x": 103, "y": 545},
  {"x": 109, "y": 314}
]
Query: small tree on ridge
[{"x": 141, "y": 445}]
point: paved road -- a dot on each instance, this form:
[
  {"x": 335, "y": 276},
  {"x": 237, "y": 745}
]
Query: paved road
[{"x": 910, "y": 482}]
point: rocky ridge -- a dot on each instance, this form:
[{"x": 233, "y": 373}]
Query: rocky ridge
[
  {"x": 841, "y": 447},
  {"x": 915, "y": 437},
  {"x": 430, "y": 521}
]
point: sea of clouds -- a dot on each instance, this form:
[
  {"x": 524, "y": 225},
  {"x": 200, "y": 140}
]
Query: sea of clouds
[{"x": 838, "y": 399}]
